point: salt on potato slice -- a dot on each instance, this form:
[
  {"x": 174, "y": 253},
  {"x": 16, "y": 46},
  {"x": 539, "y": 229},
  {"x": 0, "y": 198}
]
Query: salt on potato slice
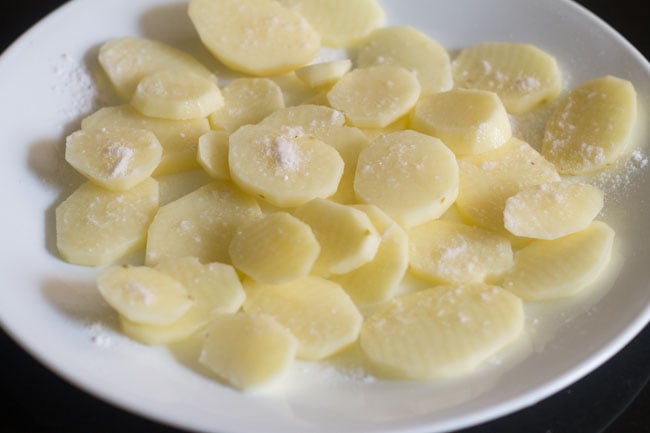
[
  {"x": 592, "y": 126},
  {"x": 379, "y": 279},
  {"x": 143, "y": 295},
  {"x": 200, "y": 224},
  {"x": 117, "y": 158},
  {"x": 317, "y": 311},
  {"x": 411, "y": 176},
  {"x": 347, "y": 237},
  {"x": 283, "y": 165},
  {"x": 559, "y": 268},
  {"x": 376, "y": 96},
  {"x": 552, "y": 210},
  {"x": 274, "y": 249},
  {"x": 247, "y": 101},
  {"x": 340, "y": 23},
  {"x": 446, "y": 252},
  {"x": 323, "y": 74},
  {"x": 441, "y": 332},
  {"x": 411, "y": 49},
  {"x": 313, "y": 119},
  {"x": 249, "y": 351},
  {"x": 178, "y": 138},
  {"x": 488, "y": 179},
  {"x": 212, "y": 154},
  {"x": 177, "y": 95},
  {"x": 467, "y": 121},
  {"x": 523, "y": 75},
  {"x": 258, "y": 37},
  {"x": 95, "y": 226}
]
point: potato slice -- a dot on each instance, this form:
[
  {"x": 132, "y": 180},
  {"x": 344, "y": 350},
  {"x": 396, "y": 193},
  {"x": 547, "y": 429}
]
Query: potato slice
[
  {"x": 558, "y": 268},
  {"x": 213, "y": 154},
  {"x": 467, "y": 121},
  {"x": 411, "y": 49},
  {"x": 258, "y": 37},
  {"x": 117, "y": 159},
  {"x": 200, "y": 224},
  {"x": 249, "y": 351},
  {"x": 275, "y": 249},
  {"x": 95, "y": 226},
  {"x": 523, "y": 75},
  {"x": 318, "y": 313},
  {"x": 176, "y": 95},
  {"x": 399, "y": 125},
  {"x": 323, "y": 74},
  {"x": 411, "y": 176},
  {"x": 376, "y": 96},
  {"x": 247, "y": 101},
  {"x": 347, "y": 237},
  {"x": 552, "y": 210},
  {"x": 175, "y": 186},
  {"x": 451, "y": 252},
  {"x": 592, "y": 126},
  {"x": 144, "y": 295},
  {"x": 294, "y": 91},
  {"x": 442, "y": 332},
  {"x": 178, "y": 138},
  {"x": 340, "y": 23}
]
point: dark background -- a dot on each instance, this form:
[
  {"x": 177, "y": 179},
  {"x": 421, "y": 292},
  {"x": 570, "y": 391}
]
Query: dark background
[{"x": 613, "y": 399}]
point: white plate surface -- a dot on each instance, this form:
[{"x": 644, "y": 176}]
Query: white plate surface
[{"x": 53, "y": 310}]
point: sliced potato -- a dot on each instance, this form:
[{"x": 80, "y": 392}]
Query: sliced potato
[
  {"x": 323, "y": 74},
  {"x": 212, "y": 154}
]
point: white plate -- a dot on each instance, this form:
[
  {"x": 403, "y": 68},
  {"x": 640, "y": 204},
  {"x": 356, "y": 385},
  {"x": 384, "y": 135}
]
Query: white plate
[{"x": 53, "y": 310}]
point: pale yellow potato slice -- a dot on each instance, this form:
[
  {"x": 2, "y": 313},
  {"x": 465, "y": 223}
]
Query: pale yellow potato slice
[
  {"x": 379, "y": 279},
  {"x": 275, "y": 249},
  {"x": 376, "y": 96},
  {"x": 200, "y": 224},
  {"x": 175, "y": 186},
  {"x": 129, "y": 59},
  {"x": 523, "y": 75},
  {"x": 488, "y": 179},
  {"x": 249, "y": 351},
  {"x": 144, "y": 295},
  {"x": 177, "y": 95},
  {"x": 212, "y": 154},
  {"x": 552, "y": 210},
  {"x": 313, "y": 119},
  {"x": 95, "y": 226},
  {"x": 592, "y": 126},
  {"x": 117, "y": 158},
  {"x": 411, "y": 176},
  {"x": 318, "y": 313},
  {"x": 347, "y": 237},
  {"x": 178, "y": 138},
  {"x": 559, "y": 268},
  {"x": 340, "y": 23},
  {"x": 258, "y": 37},
  {"x": 467, "y": 121},
  {"x": 444, "y": 252},
  {"x": 247, "y": 101},
  {"x": 441, "y": 332},
  {"x": 282, "y": 164},
  {"x": 411, "y": 49},
  {"x": 323, "y": 74}
]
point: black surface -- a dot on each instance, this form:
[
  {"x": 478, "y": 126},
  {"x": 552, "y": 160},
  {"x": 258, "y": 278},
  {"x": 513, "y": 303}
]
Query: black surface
[{"x": 613, "y": 399}]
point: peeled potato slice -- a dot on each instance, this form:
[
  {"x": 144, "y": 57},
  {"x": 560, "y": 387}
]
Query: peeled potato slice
[
  {"x": 213, "y": 154},
  {"x": 522, "y": 75},
  {"x": 592, "y": 126},
  {"x": 441, "y": 332},
  {"x": 467, "y": 121},
  {"x": 275, "y": 249},
  {"x": 552, "y": 210},
  {"x": 143, "y": 294},
  {"x": 375, "y": 97},
  {"x": 258, "y": 37},
  {"x": 558, "y": 268},
  {"x": 411, "y": 176},
  {"x": 323, "y": 74},
  {"x": 450, "y": 252},
  {"x": 411, "y": 49},
  {"x": 318, "y": 312},
  {"x": 95, "y": 226},
  {"x": 117, "y": 159}
]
